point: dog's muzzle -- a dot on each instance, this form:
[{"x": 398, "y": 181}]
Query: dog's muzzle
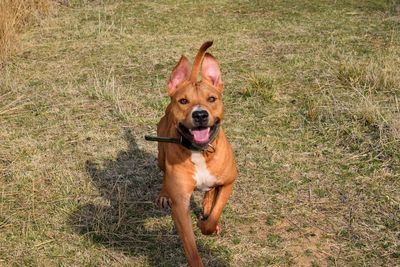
[{"x": 200, "y": 118}]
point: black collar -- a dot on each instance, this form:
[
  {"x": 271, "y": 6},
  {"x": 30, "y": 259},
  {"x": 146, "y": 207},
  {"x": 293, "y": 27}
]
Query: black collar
[{"x": 182, "y": 140}]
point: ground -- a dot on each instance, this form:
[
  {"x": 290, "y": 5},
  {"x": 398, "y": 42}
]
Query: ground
[{"x": 311, "y": 108}]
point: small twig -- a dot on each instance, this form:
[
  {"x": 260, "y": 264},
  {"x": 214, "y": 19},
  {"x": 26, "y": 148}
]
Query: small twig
[{"x": 43, "y": 243}]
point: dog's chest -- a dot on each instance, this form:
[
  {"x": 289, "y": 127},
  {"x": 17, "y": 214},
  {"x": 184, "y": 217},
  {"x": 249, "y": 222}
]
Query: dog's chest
[{"x": 202, "y": 176}]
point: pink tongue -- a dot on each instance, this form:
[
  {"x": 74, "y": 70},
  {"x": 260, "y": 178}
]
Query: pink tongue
[{"x": 201, "y": 136}]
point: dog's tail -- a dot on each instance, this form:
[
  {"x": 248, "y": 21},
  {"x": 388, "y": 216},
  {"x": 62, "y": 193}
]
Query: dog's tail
[{"x": 198, "y": 60}]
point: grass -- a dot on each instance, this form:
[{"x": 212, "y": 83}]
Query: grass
[
  {"x": 312, "y": 109},
  {"x": 14, "y": 16}
]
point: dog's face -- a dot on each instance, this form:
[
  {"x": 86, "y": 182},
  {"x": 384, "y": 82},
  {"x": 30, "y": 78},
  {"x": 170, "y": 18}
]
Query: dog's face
[{"x": 196, "y": 107}]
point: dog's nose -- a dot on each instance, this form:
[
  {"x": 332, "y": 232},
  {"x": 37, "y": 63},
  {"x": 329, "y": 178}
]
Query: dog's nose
[{"x": 200, "y": 116}]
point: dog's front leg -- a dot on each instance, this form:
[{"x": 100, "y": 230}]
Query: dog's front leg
[
  {"x": 183, "y": 223},
  {"x": 209, "y": 225}
]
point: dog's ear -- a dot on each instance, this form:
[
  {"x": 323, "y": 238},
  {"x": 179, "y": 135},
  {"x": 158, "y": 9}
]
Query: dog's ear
[
  {"x": 180, "y": 74},
  {"x": 211, "y": 72}
]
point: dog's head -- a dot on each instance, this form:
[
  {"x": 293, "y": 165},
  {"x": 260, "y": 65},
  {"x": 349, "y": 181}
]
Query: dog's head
[{"x": 196, "y": 107}]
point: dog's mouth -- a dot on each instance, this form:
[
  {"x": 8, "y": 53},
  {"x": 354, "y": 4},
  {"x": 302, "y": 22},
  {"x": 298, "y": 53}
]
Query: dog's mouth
[{"x": 198, "y": 135}]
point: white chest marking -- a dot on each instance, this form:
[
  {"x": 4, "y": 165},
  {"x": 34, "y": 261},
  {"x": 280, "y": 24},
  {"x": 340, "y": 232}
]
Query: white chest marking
[{"x": 204, "y": 180}]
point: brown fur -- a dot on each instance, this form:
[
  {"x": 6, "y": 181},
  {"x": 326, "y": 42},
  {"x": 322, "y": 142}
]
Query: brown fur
[{"x": 175, "y": 160}]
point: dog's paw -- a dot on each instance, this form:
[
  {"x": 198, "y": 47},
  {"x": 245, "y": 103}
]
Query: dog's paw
[
  {"x": 207, "y": 227},
  {"x": 163, "y": 202}
]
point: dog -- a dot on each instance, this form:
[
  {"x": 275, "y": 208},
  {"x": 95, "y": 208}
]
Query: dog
[{"x": 203, "y": 159}]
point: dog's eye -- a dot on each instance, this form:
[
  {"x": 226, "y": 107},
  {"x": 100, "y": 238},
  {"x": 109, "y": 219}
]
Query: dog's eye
[
  {"x": 183, "y": 101},
  {"x": 211, "y": 99}
]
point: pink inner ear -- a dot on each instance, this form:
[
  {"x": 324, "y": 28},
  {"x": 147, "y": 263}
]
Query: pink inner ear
[
  {"x": 210, "y": 70},
  {"x": 175, "y": 80},
  {"x": 179, "y": 75},
  {"x": 213, "y": 74}
]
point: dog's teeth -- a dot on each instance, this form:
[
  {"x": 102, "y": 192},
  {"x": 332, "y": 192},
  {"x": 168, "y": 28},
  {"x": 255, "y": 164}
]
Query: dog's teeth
[{"x": 190, "y": 130}]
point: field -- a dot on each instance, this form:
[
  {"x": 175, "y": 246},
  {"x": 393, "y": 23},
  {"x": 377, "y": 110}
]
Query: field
[{"x": 312, "y": 109}]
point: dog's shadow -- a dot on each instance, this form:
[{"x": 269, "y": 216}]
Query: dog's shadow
[{"x": 124, "y": 216}]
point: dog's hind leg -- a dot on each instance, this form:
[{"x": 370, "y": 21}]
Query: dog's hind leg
[{"x": 208, "y": 202}]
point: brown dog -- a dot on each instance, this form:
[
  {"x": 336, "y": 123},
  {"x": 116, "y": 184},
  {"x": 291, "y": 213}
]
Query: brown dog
[{"x": 204, "y": 158}]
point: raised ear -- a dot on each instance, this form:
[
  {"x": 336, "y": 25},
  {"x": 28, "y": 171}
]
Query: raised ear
[
  {"x": 180, "y": 74},
  {"x": 211, "y": 72}
]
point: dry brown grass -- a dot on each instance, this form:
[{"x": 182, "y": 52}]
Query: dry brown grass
[
  {"x": 312, "y": 106},
  {"x": 14, "y": 16}
]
